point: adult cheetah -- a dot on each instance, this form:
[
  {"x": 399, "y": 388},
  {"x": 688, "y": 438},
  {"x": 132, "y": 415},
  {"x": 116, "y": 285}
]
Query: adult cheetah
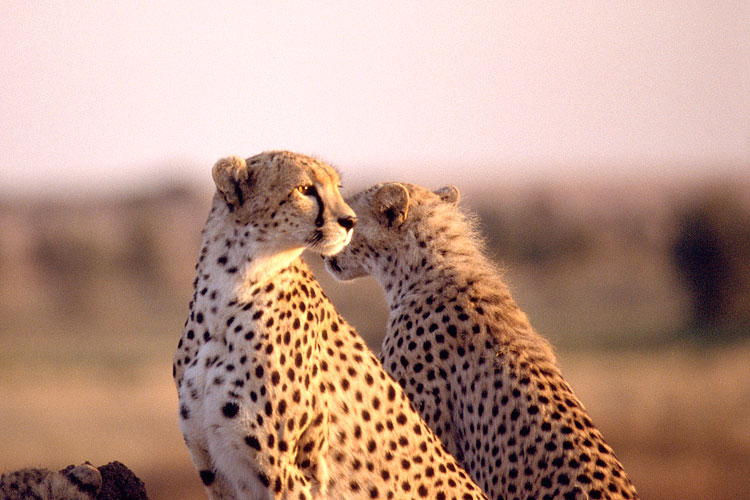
[
  {"x": 77, "y": 483},
  {"x": 279, "y": 396},
  {"x": 480, "y": 376}
]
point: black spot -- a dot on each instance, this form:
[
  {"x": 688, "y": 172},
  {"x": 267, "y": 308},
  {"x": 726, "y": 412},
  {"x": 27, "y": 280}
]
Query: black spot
[
  {"x": 252, "y": 442},
  {"x": 391, "y": 393},
  {"x": 207, "y": 477},
  {"x": 264, "y": 479},
  {"x": 583, "y": 478},
  {"x": 230, "y": 409}
]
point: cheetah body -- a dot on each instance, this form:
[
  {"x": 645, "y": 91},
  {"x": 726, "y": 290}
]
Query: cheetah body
[
  {"x": 79, "y": 483},
  {"x": 279, "y": 396},
  {"x": 483, "y": 380}
]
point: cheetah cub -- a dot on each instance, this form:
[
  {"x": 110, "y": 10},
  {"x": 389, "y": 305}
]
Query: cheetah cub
[
  {"x": 79, "y": 483},
  {"x": 480, "y": 376},
  {"x": 279, "y": 397}
]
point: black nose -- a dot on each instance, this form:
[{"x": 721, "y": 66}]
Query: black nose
[{"x": 348, "y": 222}]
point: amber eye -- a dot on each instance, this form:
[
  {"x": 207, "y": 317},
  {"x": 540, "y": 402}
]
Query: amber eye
[{"x": 306, "y": 190}]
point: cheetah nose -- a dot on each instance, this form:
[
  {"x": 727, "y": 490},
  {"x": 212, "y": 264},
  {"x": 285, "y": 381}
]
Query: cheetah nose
[{"x": 347, "y": 222}]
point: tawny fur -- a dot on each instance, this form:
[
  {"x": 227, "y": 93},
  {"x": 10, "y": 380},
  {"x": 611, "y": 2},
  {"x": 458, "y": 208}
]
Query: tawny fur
[
  {"x": 481, "y": 377},
  {"x": 279, "y": 396},
  {"x": 79, "y": 483}
]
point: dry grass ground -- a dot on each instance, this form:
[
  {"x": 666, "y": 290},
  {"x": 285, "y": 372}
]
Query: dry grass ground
[{"x": 677, "y": 417}]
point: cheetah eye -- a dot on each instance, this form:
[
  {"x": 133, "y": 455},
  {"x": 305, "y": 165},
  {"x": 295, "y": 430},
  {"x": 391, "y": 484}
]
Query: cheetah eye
[{"x": 306, "y": 189}]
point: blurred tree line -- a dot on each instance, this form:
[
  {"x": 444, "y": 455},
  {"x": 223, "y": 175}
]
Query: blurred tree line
[
  {"x": 706, "y": 238},
  {"x": 712, "y": 254},
  {"x": 146, "y": 244},
  {"x": 72, "y": 258}
]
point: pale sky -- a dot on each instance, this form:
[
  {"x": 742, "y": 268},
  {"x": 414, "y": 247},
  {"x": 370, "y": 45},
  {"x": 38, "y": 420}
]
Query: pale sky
[{"x": 101, "y": 95}]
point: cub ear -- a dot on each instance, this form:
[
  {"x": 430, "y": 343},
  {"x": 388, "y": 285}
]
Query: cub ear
[
  {"x": 391, "y": 204},
  {"x": 229, "y": 174},
  {"x": 85, "y": 477},
  {"x": 449, "y": 194}
]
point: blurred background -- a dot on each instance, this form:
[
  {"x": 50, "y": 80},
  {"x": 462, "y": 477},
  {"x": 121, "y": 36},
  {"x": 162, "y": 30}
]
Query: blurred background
[{"x": 605, "y": 147}]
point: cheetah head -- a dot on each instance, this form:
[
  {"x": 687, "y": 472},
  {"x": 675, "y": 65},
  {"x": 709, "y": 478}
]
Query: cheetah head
[
  {"x": 284, "y": 200},
  {"x": 85, "y": 477},
  {"x": 388, "y": 215}
]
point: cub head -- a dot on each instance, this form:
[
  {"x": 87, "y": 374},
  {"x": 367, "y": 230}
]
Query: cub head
[
  {"x": 72, "y": 483},
  {"x": 284, "y": 201},
  {"x": 392, "y": 219}
]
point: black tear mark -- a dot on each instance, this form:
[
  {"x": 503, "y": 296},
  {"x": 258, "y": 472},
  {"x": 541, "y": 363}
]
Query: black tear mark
[{"x": 319, "y": 218}]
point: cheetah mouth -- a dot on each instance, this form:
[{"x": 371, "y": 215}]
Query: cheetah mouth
[{"x": 327, "y": 245}]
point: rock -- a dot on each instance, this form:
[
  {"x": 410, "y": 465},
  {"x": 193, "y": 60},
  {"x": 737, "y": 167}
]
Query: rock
[{"x": 118, "y": 483}]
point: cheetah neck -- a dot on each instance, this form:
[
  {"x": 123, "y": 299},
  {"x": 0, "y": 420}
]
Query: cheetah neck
[
  {"x": 233, "y": 260},
  {"x": 419, "y": 271},
  {"x": 436, "y": 278}
]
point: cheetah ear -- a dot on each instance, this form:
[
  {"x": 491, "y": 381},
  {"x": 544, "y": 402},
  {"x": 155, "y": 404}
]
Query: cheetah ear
[
  {"x": 86, "y": 478},
  {"x": 229, "y": 175},
  {"x": 391, "y": 204},
  {"x": 449, "y": 194}
]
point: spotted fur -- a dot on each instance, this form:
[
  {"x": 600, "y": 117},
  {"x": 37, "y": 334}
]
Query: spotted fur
[
  {"x": 79, "y": 483},
  {"x": 279, "y": 396},
  {"x": 481, "y": 377}
]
